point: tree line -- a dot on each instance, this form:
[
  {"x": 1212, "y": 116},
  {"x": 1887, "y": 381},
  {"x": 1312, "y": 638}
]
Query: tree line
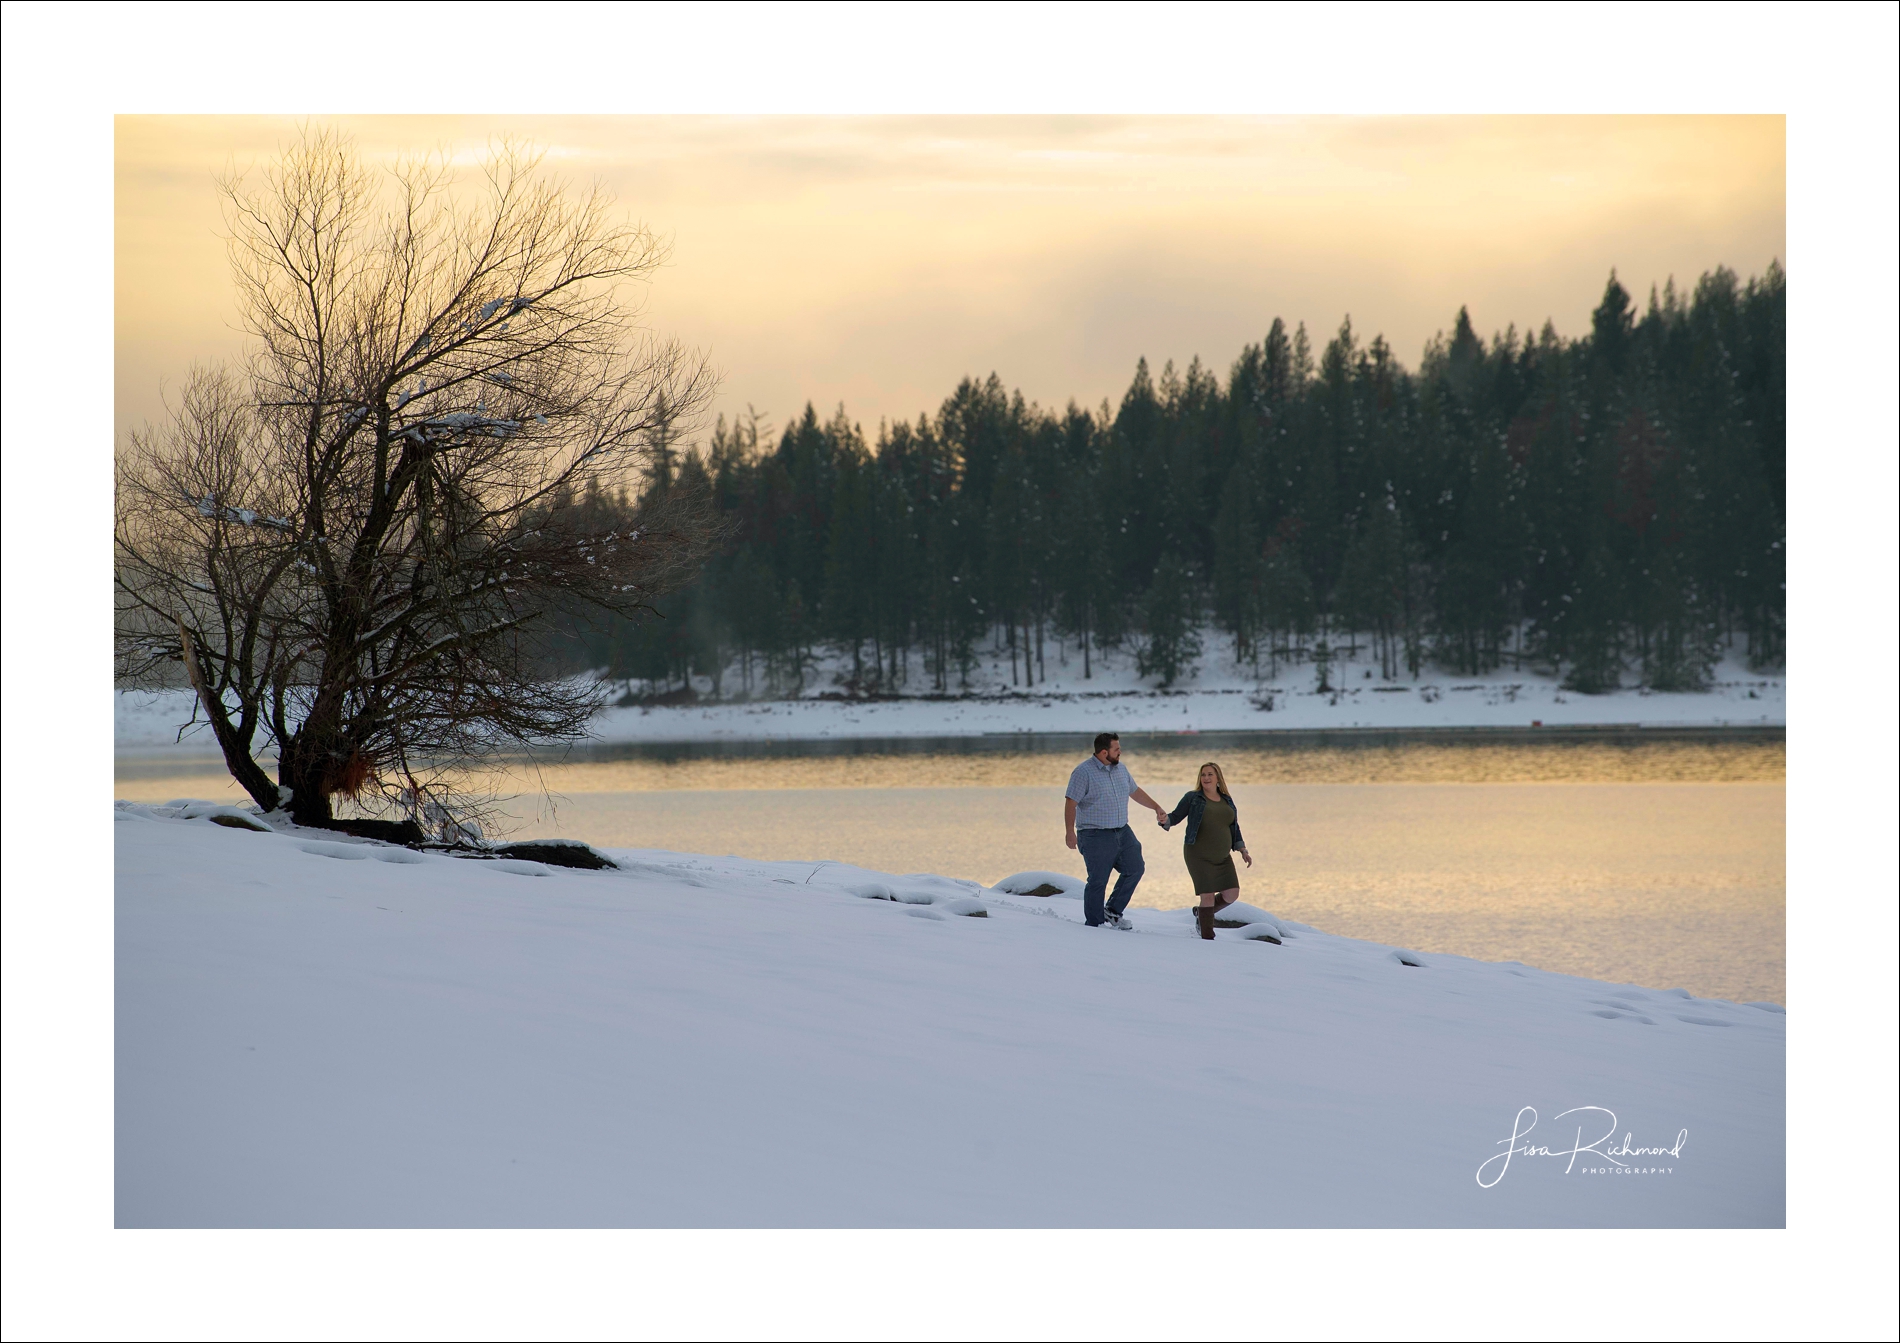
[{"x": 1608, "y": 508}]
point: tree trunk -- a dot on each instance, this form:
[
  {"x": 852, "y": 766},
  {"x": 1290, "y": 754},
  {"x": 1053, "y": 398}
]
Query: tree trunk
[
  {"x": 315, "y": 757},
  {"x": 237, "y": 754},
  {"x": 305, "y": 768}
]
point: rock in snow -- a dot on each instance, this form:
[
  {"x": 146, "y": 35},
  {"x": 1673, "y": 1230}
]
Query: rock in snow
[
  {"x": 408, "y": 1039},
  {"x": 1041, "y": 885}
]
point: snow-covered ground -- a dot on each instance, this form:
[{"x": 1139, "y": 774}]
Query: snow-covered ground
[
  {"x": 1222, "y": 697},
  {"x": 317, "y": 1031}
]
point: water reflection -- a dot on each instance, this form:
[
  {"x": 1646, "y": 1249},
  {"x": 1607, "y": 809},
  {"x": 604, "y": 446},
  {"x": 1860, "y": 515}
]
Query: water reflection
[
  {"x": 1246, "y": 759},
  {"x": 1647, "y": 756}
]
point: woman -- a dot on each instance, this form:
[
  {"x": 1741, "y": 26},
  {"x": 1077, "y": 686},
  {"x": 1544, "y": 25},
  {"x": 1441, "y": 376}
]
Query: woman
[{"x": 1213, "y": 833}]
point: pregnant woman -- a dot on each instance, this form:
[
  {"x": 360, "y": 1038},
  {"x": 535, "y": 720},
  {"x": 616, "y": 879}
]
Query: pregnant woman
[{"x": 1213, "y": 833}]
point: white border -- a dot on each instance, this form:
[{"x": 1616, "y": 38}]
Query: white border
[{"x": 67, "y": 70}]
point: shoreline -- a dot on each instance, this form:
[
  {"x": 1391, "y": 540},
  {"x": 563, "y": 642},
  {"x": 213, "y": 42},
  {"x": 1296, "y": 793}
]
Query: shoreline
[
  {"x": 137, "y": 761},
  {"x": 1614, "y": 733},
  {"x": 1221, "y": 697}
]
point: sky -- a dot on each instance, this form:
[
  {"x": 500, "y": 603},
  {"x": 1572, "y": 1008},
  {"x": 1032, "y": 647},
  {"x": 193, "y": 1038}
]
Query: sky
[{"x": 873, "y": 261}]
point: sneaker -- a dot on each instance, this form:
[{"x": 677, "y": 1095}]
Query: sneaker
[{"x": 1114, "y": 920}]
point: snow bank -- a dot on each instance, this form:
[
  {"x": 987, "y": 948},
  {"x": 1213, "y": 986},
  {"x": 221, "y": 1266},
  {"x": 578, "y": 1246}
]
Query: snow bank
[
  {"x": 333, "y": 1032},
  {"x": 219, "y": 813},
  {"x": 1221, "y": 697}
]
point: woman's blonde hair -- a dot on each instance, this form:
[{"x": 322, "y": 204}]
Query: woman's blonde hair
[{"x": 1220, "y": 779}]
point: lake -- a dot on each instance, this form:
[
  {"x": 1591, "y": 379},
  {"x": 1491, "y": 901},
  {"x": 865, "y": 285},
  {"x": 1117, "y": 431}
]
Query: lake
[{"x": 1656, "y": 859}]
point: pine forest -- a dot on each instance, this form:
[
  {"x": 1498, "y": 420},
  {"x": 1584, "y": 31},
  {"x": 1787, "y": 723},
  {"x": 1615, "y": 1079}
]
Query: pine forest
[{"x": 1607, "y": 508}]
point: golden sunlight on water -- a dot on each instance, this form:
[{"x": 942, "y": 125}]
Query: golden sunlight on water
[
  {"x": 1656, "y": 863},
  {"x": 988, "y": 763},
  {"x": 1405, "y": 762}
]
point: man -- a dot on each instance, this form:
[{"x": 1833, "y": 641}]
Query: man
[{"x": 1096, "y": 819}]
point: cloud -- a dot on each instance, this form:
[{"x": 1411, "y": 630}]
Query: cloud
[{"x": 877, "y": 259}]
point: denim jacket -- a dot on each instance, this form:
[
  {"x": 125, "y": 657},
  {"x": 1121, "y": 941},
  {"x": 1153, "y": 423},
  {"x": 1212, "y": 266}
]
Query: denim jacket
[{"x": 1193, "y": 805}]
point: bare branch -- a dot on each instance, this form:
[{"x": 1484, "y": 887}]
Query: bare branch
[{"x": 364, "y": 524}]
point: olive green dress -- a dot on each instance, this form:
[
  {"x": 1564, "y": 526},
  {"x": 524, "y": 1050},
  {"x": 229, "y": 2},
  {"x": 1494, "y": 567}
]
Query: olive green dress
[{"x": 1210, "y": 859}]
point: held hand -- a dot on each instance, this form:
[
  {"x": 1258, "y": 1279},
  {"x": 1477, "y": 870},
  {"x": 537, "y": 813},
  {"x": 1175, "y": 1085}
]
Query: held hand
[{"x": 1069, "y": 839}]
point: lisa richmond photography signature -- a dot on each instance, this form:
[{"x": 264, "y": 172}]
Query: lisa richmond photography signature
[{"x": 1618, "y": 1158}]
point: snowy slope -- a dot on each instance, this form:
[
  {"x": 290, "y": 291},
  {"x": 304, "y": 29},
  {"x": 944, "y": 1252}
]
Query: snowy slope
[{"x": 313, "y": 1031}]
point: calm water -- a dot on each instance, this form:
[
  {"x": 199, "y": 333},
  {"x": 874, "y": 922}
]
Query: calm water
[{"x": 1658, "y": 862}]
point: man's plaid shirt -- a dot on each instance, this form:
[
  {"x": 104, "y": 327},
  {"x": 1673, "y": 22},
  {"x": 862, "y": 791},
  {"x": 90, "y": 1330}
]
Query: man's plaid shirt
[{"x": 1100, "y": 793}]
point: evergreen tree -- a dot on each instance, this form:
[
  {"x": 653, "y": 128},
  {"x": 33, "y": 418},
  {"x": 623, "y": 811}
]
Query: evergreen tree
[
  {"x": 1373, "y": 583},
  {"x": 1238, "y": 568},
  {"x": 1086, "y": 592},
  {"x": 1288, "y": 609},
  {"x": 1170, "y": 622},
  {"x": 850, "y": 553}
]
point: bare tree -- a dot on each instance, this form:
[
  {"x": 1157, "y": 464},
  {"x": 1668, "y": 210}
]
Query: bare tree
[{"x": 349, "y": 540}]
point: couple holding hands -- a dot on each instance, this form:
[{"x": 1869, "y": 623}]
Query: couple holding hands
[{"x": 1095, "y": 817}]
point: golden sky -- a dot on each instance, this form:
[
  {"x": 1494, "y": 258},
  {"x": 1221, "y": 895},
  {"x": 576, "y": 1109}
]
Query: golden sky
[{"x": 875, "y": 260}]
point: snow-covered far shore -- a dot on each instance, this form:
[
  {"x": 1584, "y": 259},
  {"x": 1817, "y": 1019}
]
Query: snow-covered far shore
[
  {"x": 1223, "y": 697},
  {"x": 319, "y": 1031}
]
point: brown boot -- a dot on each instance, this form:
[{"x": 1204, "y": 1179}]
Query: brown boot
[{"x": 1204, "y": 916}]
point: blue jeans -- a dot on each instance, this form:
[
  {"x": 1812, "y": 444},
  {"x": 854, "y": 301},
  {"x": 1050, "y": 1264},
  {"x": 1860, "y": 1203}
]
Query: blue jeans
[{"x": 1105, "y": 851}]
